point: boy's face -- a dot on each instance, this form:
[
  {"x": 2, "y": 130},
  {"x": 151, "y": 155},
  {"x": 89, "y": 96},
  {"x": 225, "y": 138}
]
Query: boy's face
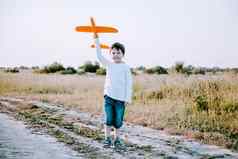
[{"x": 117, "y": 55}]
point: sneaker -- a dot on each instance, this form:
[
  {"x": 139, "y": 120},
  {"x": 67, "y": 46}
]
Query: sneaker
[
  {"x": 107, "y": 142},
  {"x": 119, "y": 145}
]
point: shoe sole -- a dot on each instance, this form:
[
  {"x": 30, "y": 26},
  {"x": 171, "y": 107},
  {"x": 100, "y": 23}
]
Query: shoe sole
[{"x": 107, "y": 146}]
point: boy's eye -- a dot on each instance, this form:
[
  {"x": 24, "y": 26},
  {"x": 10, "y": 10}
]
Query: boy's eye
[{"x": 116, "y": 53}]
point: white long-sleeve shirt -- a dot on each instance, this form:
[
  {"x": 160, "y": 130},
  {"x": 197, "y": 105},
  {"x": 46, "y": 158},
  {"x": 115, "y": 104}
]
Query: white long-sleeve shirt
[{"x": 118, "y": 82}]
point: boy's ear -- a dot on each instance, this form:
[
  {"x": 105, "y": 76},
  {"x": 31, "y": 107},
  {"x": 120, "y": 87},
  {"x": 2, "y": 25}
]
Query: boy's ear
[{"x": 122, "y": 53}]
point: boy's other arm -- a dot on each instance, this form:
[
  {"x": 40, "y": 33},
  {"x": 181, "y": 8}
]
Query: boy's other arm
[
  {"x": 100, "y": 57},
  {"x": 129, "y": 86}
]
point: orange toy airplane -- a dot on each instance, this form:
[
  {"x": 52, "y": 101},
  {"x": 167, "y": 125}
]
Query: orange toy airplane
[{"x": 95, "y": 30}]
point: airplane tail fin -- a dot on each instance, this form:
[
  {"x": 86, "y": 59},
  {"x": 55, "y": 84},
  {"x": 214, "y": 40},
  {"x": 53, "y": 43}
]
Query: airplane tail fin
[{"x": 103, "y": 46}]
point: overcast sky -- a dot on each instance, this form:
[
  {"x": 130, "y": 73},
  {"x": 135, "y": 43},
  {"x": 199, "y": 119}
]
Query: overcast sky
[{"x": 155, "y": 32}]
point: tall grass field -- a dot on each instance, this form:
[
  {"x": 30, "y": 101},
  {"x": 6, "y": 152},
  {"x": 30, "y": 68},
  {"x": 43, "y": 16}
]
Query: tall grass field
[{"x": 204, "y": 107}]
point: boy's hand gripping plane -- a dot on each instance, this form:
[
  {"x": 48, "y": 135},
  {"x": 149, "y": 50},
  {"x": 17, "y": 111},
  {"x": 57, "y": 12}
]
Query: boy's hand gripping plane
[{"x": 95, "y": 30}]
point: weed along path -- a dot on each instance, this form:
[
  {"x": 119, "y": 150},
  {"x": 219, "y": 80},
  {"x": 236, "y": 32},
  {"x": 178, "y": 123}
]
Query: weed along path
[{"x": 81, "y": 135}]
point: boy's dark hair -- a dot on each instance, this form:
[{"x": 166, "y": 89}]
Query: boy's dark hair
[{"x": 119, "y": 46}]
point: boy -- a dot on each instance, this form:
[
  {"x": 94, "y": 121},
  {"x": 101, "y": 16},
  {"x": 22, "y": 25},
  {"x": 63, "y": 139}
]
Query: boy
[{"x": 117, "y": 91}]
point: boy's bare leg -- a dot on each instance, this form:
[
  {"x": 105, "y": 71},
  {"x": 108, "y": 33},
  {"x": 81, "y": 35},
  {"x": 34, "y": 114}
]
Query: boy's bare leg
[
  {"x": 107, "y": 131},
  {"x": 116, "y": 133},
  {"x": 119, "y": 144},
  {"x": 108, "y": 139}
]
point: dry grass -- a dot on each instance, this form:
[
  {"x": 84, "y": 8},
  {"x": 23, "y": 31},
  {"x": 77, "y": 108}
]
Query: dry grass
[{"x": 203, "y": 103}]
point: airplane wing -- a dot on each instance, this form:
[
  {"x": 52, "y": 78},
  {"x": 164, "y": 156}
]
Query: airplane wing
[{"x": 98, "y": 29}]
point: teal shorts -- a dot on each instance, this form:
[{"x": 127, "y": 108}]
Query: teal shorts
[{"x": 114, "y": 111}]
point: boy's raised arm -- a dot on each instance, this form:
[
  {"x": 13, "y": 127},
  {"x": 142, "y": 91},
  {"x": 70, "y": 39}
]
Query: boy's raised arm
[{"x": 100, "y": 57}]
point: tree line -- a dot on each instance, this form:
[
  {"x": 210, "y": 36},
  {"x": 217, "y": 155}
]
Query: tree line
[{"x": 94, "y": 67}]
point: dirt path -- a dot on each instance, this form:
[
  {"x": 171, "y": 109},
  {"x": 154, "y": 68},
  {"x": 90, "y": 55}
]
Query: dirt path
[
  {"x": 83, "y": 132},
  {"x": 18, "y": 142}
]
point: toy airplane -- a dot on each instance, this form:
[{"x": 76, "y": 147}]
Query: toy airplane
[{"x": 95, "y": 30}]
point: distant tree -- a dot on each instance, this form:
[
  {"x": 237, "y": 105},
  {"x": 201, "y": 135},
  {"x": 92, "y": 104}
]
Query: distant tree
[
  {"x": 69, "y": 70},
  {"x": 150, "y": 71},
  {"x": 35, "y": 67},
  {"x": 235, "y": 70},
  {"x": 52, "y": 68},
  {"x": 141, "y": 68},
  {"x": 55, "y": 67},
  {"x": 90, "y": 67},
  {"x": 215, "y": 69},
  {"x": 160, "y": 70},
  {"x": 12, "y": 70},
  {"x": 188, "y": 69},
  {"x": 133, "y": 71},
  {"x": 156, "y": 69},
  {"x": 199, "y": 70},
  {"x": 80, "y": 72},
  {"x": 179, "y": 67},
  {"x": 23, "y": 68}
]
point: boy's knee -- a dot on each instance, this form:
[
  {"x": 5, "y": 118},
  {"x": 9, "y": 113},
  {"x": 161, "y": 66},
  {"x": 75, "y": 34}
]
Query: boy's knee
[
  {"x": 118, "y": 124},
  {"x": 109, "y": 121}
]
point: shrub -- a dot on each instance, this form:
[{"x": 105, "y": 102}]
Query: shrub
[
  {"x": 235, "y": 70},
  {"x": 12, "y": 70},
  {"x": 141, "y": 68},
  {"x": 80, "y": 72},
  {"x": 179, "y": 67},
  {"x": 149, "y": 71},
  {"x": 160, "y": 70},
  {"x": 156, "y": 69},
  {"x": 201, "y": 103},
  {"x": 155, "y": 95},
  {"x": 55, "y": 67},
  {"x": 35, "y": 67},
  {"x": 89, "y": 67},
  {"x": 69, "y": 70},
  {"x": 230, "y": 107},
  {"x": 101, "y": 71},
  {"x": 214, "y": 70},
  {"x": 199, "y": 71},
  {"x": 188, "y": 69},
  {"x": 23, "y": 67},
  {"x": 133, "y": 71}
]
